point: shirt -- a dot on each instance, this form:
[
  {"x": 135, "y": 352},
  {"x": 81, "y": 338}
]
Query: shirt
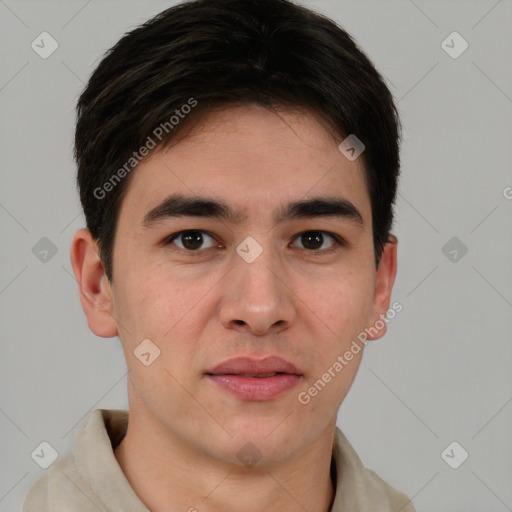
[{"x": 89, "y": 478}]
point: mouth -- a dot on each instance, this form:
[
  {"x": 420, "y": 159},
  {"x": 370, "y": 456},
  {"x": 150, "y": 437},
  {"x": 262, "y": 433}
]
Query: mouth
[
  {"x": 255, "y": 380},
  {"x": 257, "y": 376}
]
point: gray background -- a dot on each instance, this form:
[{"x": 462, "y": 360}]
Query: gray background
[{"x": 443, "y": 371}]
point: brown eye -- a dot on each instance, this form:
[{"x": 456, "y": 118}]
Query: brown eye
[
  {"x": 313, "y": 240},
  {"x": 191, "y": 240}
]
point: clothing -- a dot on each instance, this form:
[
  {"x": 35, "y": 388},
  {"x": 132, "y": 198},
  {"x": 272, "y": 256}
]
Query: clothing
[{"x": 89, "y": 478}]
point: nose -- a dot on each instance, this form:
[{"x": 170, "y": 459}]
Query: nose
[{"x": 258, "y": 297}]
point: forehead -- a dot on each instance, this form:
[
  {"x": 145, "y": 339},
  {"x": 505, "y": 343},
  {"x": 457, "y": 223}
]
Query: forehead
[{"x": 252, "y": 158}]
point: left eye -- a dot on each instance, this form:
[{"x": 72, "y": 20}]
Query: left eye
[{"x": 313, "y": 240}]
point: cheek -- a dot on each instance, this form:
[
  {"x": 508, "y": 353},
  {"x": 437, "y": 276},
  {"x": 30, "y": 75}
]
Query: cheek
[
  {"x": 158, "y": 310},
  {"x": 151, "y": 299},
  {"x": 343, "y": 303},
  {"x": 171, "y": 312}
]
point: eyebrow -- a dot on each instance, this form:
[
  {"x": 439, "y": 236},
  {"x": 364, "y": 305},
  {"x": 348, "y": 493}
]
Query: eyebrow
[{"x": 179, "y": 205}]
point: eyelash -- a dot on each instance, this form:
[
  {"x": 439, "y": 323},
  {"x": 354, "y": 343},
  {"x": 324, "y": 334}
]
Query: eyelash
[{"x": 338, "y": 241}]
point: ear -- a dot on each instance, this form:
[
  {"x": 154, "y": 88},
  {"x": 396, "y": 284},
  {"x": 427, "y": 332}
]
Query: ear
[
  {"x": 94, "y": 286},
  {"x": 383, "y": 287}
]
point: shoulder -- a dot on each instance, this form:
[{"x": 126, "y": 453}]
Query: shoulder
[
  {"x": 70, "y": 484},
  {"x": 62, "y": 488},
  {"x": 393, "y": 498},
  {"x": 37, "y": 496},
  {"x": 360, "y": 488}
]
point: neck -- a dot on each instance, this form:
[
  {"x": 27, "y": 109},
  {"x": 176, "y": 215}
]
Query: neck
[{"x": 168, "y": 474}]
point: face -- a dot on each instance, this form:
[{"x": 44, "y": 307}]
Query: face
[{"x": 269, "y": 280}]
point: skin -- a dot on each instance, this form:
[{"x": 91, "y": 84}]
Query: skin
[{"x": 305, "y": 305}]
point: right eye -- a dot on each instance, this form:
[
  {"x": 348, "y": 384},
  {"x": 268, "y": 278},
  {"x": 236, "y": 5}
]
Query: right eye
[{"x": 190, "y": 239}]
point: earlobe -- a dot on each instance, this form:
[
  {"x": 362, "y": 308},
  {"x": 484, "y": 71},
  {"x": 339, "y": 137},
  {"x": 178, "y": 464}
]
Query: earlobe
[
  {"x": 383, "y": 287},
  {"x": 94, "y": 287}
]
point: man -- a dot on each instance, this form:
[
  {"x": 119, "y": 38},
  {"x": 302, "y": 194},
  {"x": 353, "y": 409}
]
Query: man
[{"x": 237, "y": 166}]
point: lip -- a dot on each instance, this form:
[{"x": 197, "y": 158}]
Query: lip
[
  {"x": 248, "y": 365},
  {"x": 232, "y": 376}
]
